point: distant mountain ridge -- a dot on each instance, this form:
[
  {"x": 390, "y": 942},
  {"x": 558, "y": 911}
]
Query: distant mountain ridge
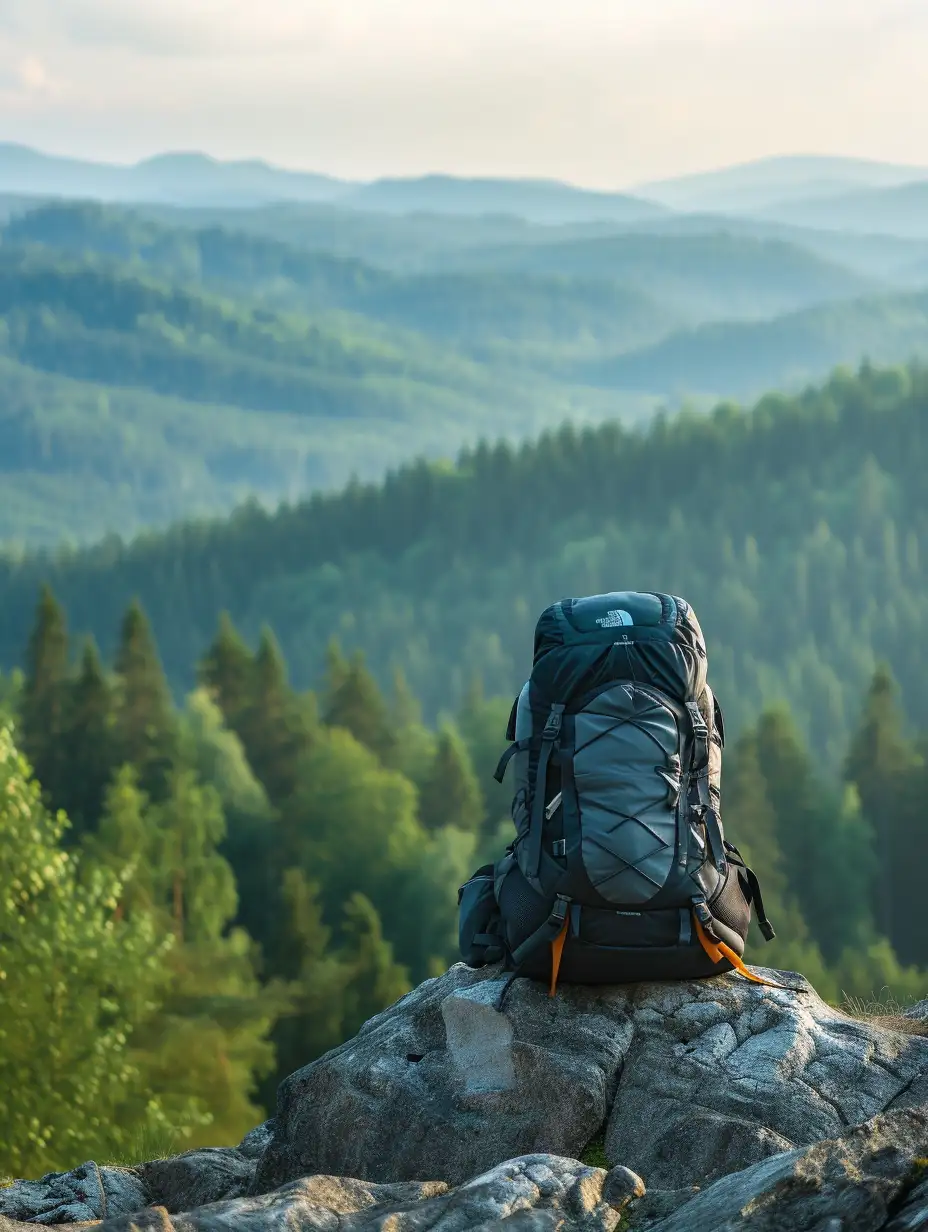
[
  {"x": 768, "y": 183},
  {"x": 771, "y": 187},
  {"x": 901, "y": 210},
  {"x": 195, "y": 179},
  {"x": 176, "y": 178}
]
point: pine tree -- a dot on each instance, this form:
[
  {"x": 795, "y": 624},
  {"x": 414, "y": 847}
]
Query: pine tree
[
  {"x": 276, "y": 727},
  {"x": 375, "y": 979},
  {"x": 751, "y": 824},
  {"x": 88, "y": 745},
  {"x": 827, "y": 846},
  {"x": 450, "y": 795},
  {"x": 313, "y": 1021},
  {"x": 252, "y": 842},
  {"x": 227, "y": 669},
  {"x": 146, "y": 727},
  {"x": 882, "y": 764},
  {"x": 414, "y": 742},
  {"x": 354, "y": 702},
  {"x": 45, "y": 696},
  {"x": 482, "y": 722}
]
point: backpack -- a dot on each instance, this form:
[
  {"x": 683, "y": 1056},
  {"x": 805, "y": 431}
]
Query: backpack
[{"x": 620, "y": 870}]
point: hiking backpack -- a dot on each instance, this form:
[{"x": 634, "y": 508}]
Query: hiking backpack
[{"x": 619, "y": 871}]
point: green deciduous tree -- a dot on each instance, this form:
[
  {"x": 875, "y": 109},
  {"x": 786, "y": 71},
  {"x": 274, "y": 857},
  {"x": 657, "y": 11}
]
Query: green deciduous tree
[{"x": 76, "y": 986}]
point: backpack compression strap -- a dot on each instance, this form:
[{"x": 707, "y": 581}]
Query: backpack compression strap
[
  {"x": 754, "y": 895},
  {"x": 700, "y": 801},
  {"x": 718, "y": 951}
]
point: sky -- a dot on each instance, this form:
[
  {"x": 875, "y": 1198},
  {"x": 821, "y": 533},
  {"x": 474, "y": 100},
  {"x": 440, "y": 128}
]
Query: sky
[{"x": 607, "y": 93}]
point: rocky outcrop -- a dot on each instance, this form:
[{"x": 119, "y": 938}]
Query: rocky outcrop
[
  {"x": 534, "y": 1192},
  {"x": 872, "y": 1179},
  {"x": 85, "y": 1193},
  {"x": 861, "y": 1182},
  {"x": 739, "y": 1106},
  {"x": 91, "y": 1193},
  {"x": 689, "y": 1081}
]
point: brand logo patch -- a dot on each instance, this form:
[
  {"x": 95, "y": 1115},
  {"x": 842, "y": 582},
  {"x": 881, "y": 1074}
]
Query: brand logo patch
[{"x": 614, "y": 620}]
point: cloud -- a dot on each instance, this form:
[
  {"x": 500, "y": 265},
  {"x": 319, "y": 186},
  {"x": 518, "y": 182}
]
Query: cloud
[
  {"x": 170, "y": 27},
  {"x": 604, "y": 91}
]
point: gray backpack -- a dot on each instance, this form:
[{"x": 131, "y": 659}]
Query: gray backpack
[{"x": 619, "y": 871}]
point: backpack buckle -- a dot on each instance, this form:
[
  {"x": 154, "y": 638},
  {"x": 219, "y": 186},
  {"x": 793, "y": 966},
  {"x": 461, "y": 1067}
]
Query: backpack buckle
[
  {"x": 559, "y": 909},
  {"x": 700, "y": 728},
  {"x": 553, "y": 723}
]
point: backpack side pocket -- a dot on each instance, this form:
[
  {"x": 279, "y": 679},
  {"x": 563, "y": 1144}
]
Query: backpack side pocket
[{"x": 479, "y": 921}]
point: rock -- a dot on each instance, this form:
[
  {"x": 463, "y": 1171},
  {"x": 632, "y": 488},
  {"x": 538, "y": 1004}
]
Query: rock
[
  {"x": 691, "y": 1080},
  {"x": 81, "y": 1195},
  {"x": 413, "y": 1097},
  {"x": 198, "y": 1177},
  {"x": 254, "y": 1144},
  {"x": 849, "y": 1184},
  {"x": 918, "y": 1011},
  {"x": 534, "y": 1192},
  {"x": 621, "y": 1187},
  {"x": 913, "y": 1217}
]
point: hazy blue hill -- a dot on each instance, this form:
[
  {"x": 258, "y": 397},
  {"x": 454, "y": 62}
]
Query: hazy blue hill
[
  {"x": 540, "y": 201},
  {"x": 486, "y": 310},
  {"x": 79, "y": 459},
  {"x": 766, "y": 182},
  {"x": 230, "y": 359},
  {"x": 707, "y": 275},
  {"x": 182, "y": 178},
  {"x": 901, "y": 211},
  {"x": 742, "y": 358},
  {"x": 193, "y": 178},
  {"x": 173, "y": 399},
  {"x": 888, "y": 259}
]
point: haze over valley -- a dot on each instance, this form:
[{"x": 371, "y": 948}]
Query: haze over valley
[{"x": 183, "y": 333}]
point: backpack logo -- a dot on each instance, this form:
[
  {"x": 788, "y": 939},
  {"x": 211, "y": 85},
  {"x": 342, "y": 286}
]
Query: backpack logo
[{"x": 614, "y": 620}]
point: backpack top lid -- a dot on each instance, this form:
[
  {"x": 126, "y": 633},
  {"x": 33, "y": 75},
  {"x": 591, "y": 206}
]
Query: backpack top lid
[{"x": 647, "y": 637}]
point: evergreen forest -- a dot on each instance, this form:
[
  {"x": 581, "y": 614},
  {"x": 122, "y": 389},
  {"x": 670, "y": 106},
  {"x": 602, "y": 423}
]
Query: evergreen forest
[{"x": 245, "y": 763}]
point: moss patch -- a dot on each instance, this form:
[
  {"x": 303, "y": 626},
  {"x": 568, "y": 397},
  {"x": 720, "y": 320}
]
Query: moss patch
[{"x": 594, "y": 1154}]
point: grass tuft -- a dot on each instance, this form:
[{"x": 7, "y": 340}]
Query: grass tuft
[{"x": 885, "y": 1011}]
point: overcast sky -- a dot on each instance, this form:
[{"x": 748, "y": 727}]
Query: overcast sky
[{"x": 602, "y": 92}]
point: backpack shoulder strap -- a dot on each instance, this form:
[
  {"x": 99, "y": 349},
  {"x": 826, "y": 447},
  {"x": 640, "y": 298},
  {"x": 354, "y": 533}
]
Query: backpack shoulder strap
[{"x": 550, "y": 737}]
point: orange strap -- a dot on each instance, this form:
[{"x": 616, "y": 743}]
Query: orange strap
[
  {"x": 557, "y": 949},
  {"x": 718, "y": 950}
]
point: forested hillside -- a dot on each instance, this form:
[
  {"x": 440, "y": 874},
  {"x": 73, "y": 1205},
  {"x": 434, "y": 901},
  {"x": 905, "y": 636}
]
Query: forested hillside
[
  {"x": 159, "y": 363},
  {"x": 241, "y": 860},
  {"x": 240, "y": 883},
  {"x": 799, "y": 530}
]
